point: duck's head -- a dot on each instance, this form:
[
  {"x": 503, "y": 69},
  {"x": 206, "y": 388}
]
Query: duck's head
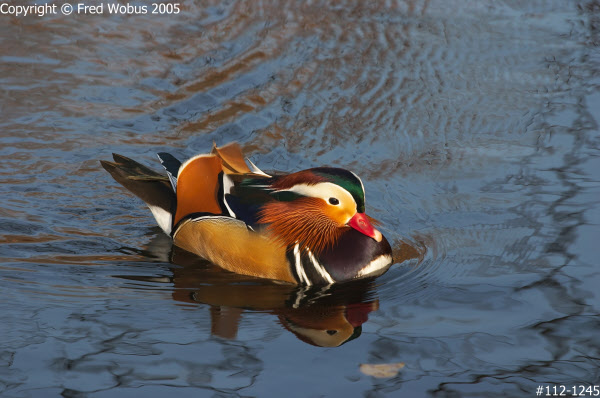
[{"x": 314, "y": 207}]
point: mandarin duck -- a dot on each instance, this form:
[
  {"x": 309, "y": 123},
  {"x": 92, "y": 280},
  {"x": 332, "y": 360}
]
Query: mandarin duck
[{"x": 307, "y": 227}]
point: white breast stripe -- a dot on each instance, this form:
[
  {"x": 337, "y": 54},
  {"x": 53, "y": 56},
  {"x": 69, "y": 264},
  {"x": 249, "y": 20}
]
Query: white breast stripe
[
  {"x": 376, "y": 266},
  {"x": 299, "y": 268},
  {"x": 319, "y": 267}
]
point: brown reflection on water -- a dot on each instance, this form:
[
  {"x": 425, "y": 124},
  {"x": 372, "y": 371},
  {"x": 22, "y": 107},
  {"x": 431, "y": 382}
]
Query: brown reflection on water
[
  {"x": 9, "y": 238},
  {"x": 89, "y": 260}
]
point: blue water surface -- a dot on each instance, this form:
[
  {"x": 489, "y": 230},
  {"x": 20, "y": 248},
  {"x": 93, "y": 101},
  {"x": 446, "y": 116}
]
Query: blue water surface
[{"x": 473, "y": 124}]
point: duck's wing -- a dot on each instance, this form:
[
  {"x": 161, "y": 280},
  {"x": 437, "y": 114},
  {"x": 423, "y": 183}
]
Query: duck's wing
[
  {"x": 208, "y": 184},
  {"x": 243, "y": 189},
  {"x": 234, "y": 162}
]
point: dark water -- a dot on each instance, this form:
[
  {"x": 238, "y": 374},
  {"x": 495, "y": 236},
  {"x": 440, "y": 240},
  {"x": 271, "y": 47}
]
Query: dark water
[{"x": 474, "y": 125}]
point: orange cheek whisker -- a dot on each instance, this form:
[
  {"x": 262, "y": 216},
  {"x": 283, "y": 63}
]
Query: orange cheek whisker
[{"x": 302, "y": 222}]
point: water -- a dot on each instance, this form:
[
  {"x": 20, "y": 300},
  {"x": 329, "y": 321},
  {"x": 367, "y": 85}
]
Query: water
[{"x": 474, "y": 125}]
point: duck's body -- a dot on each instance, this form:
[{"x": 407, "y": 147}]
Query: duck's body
[{"x": 307, "y": 227}]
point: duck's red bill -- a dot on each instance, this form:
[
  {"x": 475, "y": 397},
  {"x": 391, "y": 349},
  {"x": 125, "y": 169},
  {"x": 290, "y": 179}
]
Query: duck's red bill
[{"x": 361, "y": 223}]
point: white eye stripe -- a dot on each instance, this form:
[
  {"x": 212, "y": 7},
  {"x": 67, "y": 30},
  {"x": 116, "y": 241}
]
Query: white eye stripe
[{"x": 323, "y": 190}]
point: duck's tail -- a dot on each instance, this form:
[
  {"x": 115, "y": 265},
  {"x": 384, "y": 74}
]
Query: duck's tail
[{"x": 155, "y": 189}]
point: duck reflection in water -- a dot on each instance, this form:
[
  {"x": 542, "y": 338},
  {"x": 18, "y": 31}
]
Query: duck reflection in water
[{"x": 326, "y": 316}]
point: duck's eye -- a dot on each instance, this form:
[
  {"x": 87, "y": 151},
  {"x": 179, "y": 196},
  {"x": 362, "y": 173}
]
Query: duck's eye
[
  {"x": 331, "y": 332},
  {"x": 334, "y": 201}
]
